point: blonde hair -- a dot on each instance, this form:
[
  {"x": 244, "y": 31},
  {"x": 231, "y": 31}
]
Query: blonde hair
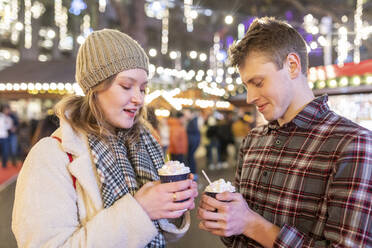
[{"x": 85, "y": 115}]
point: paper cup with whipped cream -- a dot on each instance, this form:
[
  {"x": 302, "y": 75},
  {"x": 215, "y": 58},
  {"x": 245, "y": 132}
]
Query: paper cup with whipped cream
[
  {"x": 173, "y": 171},
  {"x": 218, "y": 186}
]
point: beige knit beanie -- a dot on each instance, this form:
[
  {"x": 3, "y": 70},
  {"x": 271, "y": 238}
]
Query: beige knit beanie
[{"x": 105, "y": 53}]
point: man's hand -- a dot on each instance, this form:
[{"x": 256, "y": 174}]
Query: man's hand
[
  {"x": 234, "y": 217},
  {"x": 231, "y": 218}
]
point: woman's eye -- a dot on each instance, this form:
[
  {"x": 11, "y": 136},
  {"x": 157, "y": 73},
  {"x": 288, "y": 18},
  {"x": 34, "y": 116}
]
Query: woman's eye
[{"x": 125, "y": 87}]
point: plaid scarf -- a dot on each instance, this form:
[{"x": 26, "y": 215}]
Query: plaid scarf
[{"x": 123, "y": 169}]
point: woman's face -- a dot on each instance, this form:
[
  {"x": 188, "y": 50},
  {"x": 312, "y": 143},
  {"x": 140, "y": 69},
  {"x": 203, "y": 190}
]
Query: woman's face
[{"x": 122, "y": 101}]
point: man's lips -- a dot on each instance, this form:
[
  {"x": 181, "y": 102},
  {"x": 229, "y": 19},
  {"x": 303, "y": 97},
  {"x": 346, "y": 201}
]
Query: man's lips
[{"x": 261, "y": 107}]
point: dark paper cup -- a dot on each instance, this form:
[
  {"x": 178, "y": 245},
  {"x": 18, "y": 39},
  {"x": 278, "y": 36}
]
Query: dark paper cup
[
  {"x": 211, "y": 194},
  {"x": 174, "y": 178},
  {"x": 214, "y": 194}
]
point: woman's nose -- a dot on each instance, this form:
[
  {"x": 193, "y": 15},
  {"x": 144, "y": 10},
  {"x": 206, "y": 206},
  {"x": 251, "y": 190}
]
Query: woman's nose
[{"x": 137, "y": 96}]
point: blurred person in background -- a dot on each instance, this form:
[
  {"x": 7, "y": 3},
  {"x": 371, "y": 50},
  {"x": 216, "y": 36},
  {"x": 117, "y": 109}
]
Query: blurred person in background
[
  {"x": 164, "y": 134},
  {"x": 94, "y": 182},
  {"x": 193, "y": 138},
  {"x": 240, "y": 129},
  {"x": 154, "y": 123},
  {"x": 214, "y": 145},
  {"x": 225, "y": 137},
  {"x": 45, "y": 128},
  {"x": 304, "y": 179},
  {"x": 6, "y": 124},
  {"x": 177, "y": 137},
  {"x": 13, "y": 134}
]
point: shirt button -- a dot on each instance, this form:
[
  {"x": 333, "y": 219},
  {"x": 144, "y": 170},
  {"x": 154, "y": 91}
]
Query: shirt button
[
  {"x": 265, "y": 173},
  {"x": 278, "y": 142}
]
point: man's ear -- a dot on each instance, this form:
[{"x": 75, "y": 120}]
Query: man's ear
[{"x": 293, "y": 64}]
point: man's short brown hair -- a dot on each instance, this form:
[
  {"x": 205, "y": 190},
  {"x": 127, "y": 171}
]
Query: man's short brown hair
[{"x": 274, "y": 38}]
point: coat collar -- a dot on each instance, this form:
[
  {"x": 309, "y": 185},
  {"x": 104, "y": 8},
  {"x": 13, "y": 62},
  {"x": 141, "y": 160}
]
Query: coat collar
[{"x": 82, "y": 166}]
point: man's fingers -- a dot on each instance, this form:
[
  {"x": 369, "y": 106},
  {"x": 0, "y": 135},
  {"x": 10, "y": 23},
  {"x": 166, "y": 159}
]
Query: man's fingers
[
  {"x": 219, "y": 232},
  {"x": 227, "y": 196},
  {"x": 207, "y": 207},
  {"x": 213, "y": 225},
  {"x": 208, "y": 215},
  {"x": 211, "y": 201}
]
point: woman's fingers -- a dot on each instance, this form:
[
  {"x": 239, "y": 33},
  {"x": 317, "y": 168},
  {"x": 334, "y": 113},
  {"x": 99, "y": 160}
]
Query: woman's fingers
[
  {"x": 175, "y": 206},
  {"x": 174, "y": 214},
  {"x": 177, "y": 186},
  {"x": 183, "y": 195}
]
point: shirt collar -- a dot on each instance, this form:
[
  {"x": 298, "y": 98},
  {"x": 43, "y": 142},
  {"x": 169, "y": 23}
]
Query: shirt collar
[{"x": 311, "y": 113}]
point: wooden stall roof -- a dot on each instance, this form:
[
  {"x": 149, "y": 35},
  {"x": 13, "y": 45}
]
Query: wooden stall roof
[{"x": 36, "y": 71}]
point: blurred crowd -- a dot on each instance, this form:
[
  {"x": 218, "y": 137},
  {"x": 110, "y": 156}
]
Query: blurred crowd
[
  {"x": 213, "y": 135},
  {"x": 18, "y": 136},
  {"x": 181, "y": 135}
]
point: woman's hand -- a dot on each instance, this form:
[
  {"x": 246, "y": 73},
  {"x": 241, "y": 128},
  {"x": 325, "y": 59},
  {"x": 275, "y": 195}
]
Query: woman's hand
[{"x": 158, "y": 200}]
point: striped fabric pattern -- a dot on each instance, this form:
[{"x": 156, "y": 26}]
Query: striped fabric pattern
[
  {"x": 124, "y": 169},
  {"x": 312, "y": 177}
]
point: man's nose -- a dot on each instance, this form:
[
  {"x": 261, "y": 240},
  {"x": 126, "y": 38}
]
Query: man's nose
[{"x": 252, "y": 95}]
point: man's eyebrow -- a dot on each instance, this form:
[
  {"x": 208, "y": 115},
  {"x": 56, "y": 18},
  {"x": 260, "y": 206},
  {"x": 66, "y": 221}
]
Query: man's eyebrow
[{"x": 251, "y": 80}]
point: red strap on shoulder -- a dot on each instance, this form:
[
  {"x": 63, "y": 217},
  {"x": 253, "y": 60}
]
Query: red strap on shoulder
[{"x": 69, "y": 157}]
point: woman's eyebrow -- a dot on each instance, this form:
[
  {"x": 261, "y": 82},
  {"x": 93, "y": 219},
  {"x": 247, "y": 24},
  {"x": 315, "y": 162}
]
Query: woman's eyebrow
[{"x": 132, "y": 80}]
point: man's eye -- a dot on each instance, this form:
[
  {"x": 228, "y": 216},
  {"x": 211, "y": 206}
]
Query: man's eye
[{"x": 258, "y": 83}]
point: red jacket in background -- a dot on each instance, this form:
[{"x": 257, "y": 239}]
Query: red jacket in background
[{"x": 177, "y": 137}]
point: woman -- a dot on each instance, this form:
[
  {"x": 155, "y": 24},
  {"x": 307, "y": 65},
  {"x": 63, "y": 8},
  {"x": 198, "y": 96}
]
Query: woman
[{"x": 108, "y": 195}]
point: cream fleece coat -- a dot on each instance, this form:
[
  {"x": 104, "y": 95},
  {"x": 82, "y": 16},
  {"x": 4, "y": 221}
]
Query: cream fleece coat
[{"x": 49, "y": 212}]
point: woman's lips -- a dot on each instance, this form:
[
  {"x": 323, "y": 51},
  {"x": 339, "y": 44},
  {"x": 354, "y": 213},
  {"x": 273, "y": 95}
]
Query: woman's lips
[{"x": 130, "y": 113}]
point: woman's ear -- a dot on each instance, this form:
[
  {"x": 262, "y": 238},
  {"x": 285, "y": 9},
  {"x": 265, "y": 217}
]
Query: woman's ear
[{"x": 293, "y": 63}]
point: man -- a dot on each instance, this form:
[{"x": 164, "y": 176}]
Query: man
[
  {"x": 5, "y": 126},
  {"x": 305, "y": 177},
  {"x": 193, "y": 139},
  {"x": 12, "y": 132}
]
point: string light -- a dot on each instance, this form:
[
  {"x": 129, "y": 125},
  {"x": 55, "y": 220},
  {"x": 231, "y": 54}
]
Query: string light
[
  {"x": 37, "y": 9},
  {"x": 229, "y": 19},
  {"x": 77, "y": 6},
  {"x": 28, "y": 28},
  {"x": 65, "y": 41},
  {"x": 165, "y": 31},
  {"x": 152, "y": 52},
  {"x": 188, "y": 15},
  {"x": 17, "y": 27},
  {"x": 342, "y": 46},
  {"x": 202, "y": 57},
  {"x": 102, "y": 5},
  {"x": 358, "y": 28},
  {"x": 241, "y": 31}
]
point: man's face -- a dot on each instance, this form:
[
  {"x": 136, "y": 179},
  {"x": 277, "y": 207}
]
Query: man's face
[{"x": 267, "y": 87}]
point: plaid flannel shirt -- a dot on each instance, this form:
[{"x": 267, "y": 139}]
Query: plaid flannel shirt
[{"x": 312, "y": 177}]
